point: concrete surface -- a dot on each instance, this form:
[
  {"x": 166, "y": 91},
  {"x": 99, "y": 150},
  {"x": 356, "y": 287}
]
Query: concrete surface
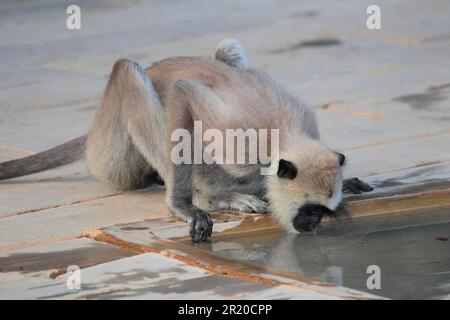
[
  {"x": 381, "y": 96},
  {"x": 166, "y": 279}
]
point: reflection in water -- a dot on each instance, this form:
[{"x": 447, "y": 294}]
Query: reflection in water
[{"x": 414, "y": 261}]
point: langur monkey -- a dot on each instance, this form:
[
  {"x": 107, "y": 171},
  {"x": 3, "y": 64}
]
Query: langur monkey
[{"x": 129, "y": 144}]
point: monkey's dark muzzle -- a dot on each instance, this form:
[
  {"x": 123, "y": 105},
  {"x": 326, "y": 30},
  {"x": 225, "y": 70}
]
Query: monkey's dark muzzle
[{"x": 309, "y": 217}]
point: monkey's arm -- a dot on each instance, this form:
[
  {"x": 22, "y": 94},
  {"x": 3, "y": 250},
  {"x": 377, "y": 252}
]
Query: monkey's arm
[
  {"x": 179, "y": 200},
  {"x": 180, "y": 178}
]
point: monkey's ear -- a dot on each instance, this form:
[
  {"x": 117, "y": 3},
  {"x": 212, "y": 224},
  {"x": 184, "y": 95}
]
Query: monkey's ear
[
  {"x": 341, "y": 159},
  {"x": 286, "y": 170},
  {"x": 231, "y": 52}
]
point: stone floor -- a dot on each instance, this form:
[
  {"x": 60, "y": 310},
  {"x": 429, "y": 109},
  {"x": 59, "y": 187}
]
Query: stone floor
[{"x": 381, "y": 96}]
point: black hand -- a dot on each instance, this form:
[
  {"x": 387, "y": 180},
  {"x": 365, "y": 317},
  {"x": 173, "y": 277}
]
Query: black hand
[
  {"x": 355, "y": 185},
  {"x": 201, "y": 226}
]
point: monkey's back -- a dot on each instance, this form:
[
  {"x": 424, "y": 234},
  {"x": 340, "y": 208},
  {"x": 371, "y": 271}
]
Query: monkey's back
[{"x": 252, "y": 98}]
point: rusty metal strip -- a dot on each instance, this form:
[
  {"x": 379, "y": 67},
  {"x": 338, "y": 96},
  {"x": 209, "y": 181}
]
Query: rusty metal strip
[{"x": 399, "y": 203}]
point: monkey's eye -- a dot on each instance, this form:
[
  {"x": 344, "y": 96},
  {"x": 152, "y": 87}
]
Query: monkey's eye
[{"x": 341, "y": 159}]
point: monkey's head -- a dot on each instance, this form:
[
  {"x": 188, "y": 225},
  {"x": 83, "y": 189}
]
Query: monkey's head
[{"x": 307, "y": 186}]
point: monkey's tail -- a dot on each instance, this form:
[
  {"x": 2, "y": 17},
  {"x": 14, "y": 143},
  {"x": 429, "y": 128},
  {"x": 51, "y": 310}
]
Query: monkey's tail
[{"x": 65, "y": 153}]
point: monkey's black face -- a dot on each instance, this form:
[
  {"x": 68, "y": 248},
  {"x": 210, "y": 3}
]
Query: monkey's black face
[{"x": 309, "y": 216}]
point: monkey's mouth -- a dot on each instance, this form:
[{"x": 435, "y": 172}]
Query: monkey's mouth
[{"x": 309, "y": 216}]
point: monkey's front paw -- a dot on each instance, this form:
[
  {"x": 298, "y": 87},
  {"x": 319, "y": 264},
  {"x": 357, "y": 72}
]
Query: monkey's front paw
[
  {"x": 354, "y": 185},
  {"x": 201, "y": 226}
]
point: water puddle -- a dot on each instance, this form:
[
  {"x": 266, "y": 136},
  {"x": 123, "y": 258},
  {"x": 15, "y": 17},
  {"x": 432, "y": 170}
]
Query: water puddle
[{"x": 412, "y": 251}]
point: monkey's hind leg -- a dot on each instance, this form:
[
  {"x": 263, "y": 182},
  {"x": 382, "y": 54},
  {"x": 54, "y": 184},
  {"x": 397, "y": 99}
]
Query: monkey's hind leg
[
  {"x": 232, "y": 201},
  {"x": 126, "y": 135}
]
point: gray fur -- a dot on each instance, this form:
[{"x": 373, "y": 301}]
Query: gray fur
[
  {"x": 60, "y": 155},
  {"x": 129, "y": 140},
  {"x": 125, "y": 135}
]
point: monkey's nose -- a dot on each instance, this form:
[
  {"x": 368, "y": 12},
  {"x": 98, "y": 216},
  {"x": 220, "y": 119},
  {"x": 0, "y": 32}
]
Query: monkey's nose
[{"x": 309, "y": 216}]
